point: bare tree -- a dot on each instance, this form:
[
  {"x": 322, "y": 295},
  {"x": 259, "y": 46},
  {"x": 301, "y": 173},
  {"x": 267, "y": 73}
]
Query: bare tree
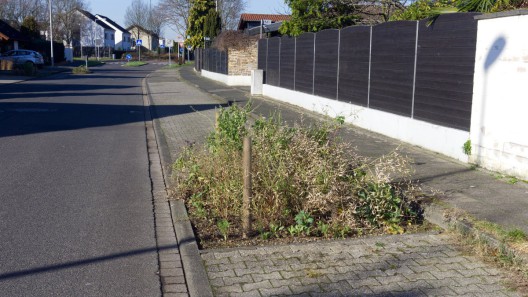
[
  {"x": 175, "y": 13},
  {"x": 66, "y": 20},
  {"x": 230, "y": 11},
  {"x": 137, "y": 15},
  {"x": 16, "y": 11}
]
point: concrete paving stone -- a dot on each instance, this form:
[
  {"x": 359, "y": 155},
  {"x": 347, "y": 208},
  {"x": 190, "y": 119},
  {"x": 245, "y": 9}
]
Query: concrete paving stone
[
  {"x": 314, "y": 280},
  {"x": 228, "y": 281},
  {"x": 207, "y": 256},
  {"x": 173, "y": 279},
  {"x": 473, "y": 272},
  {"x": 305, "y": 266},
  {"x": 300, "y": 295},
  {"x": 306, "y": 289},
  {"x": 257, "y": 285},
  {"x": 384, "y": 280},
  {"x": 385, "y": 289},
  {"x": 263, "y": 264},
  {"x": 327, "y": 294},
  {"x": 254, "y": 293},
  {"x": 422, "y": 275},
  {"x": 422, "y": 268},
  {"x": 370, "y": 282},
  {"x": 472, "y": 264},
  {"x": 286, "y": 261},
  {"x": 175, "y": 295},
  {"x": 226, "y": 273},
  {"x": 170, "y": 264},
  {"x": 450, "y": 266},
  {"x": 171, "y": 272},
  {"x": 346, "y": 276},
  {"x": 439, "y": 291},
  {"x": 175, "y": 288},
  {"x": 257, "y": 277},
  {"x": 464, "y": 281},
  {"x": 446, "y": 274},
  {"x": 285, "y": 282},
  {"x": 416, "y": 285},
  {"x": 243, "y": 270},
  {"x": 283, "y": 290},
  {"x": 170, "y": 257},
  {"x": 229, "y": 254},
  {"x": 492, "y": 271},
  {"x": 290, "y": 274},
  {"x": 348, "y": 268},
  {"x": 221, "y": 261},
  {"x": 497, "y": 287},
  {"x": 466, "y": 289},
  {"x": 341, "y": 286},
  {"x": 234, "y": 266},
  {"x": 216, "y": 282},
  {"x": 455, "y": 258},
  {"x": 236, "y": 288},
  {"x": 271, "y": 268},
  {"x": 446, "y": 282}
]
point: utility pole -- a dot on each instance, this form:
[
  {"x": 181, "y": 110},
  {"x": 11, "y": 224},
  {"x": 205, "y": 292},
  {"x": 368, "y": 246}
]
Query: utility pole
[{"x": 51, "y": 34}]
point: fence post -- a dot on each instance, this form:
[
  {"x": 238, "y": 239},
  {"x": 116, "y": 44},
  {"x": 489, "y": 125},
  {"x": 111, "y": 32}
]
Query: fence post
[
  {"x": 295, "y": 64},
  {"x": 370, "y": 67},
  {"x": 338, "y": 63},
  {"x": 415, "y": 61},
  {"x": 246, "y": 203},
  {"x": 313, "y": 71}
]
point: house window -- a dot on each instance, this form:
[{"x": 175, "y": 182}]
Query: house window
[{"x": 112, "y": 36}]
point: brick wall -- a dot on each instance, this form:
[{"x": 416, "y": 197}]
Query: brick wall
[{"x": 242, "y": 61}]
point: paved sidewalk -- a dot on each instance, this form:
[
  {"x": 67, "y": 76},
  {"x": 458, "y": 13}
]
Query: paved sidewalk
[
  {"x": 401, "y": 265},
  {"x": 408, "y": 265},
  {"x": 477, "y": 191}
]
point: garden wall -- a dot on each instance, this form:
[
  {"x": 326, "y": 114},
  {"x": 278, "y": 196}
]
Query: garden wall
[
  {"x": 498, "y": 127},
  {"x": 407, "y": 79}
]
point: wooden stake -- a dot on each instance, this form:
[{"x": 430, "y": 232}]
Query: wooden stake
[
  {"x": 217, "y": 116},
  {"x": 246, "y": 203}
]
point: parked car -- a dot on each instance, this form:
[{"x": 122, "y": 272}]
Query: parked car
[{"x": 22, "y": 56}]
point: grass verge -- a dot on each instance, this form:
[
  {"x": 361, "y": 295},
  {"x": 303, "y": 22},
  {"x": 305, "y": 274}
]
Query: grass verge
[
  {"x": 135, "y": 64},
  {"x": 80, "y": 70},
  {"x": 305, "y": 183}
]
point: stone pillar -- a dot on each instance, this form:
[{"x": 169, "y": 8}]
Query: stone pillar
[{"x": 257, "y": 79}]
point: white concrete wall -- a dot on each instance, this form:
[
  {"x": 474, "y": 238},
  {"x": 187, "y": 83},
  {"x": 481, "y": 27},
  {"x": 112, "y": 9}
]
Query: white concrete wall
[
  {"x": 447, "y": 141},
  {"x": 499, "y": 122},
  {"x": 230, "y": 80}
]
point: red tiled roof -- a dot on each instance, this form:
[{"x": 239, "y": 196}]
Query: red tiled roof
[{"x": 252, "y": 17}]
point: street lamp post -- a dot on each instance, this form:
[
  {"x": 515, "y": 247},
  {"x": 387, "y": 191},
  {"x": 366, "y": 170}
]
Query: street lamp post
[{"x": 51, "y": 33}]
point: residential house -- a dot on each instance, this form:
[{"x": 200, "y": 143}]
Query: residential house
[
  {"x": 96, "y": 33},
  {"x": 122, "y": 36},
  {"x": 252, "y": 20},
  {"x": 255, "y": 24},
  {"x": 150, "y": 40},
  {"x": 10, "y": 38}
]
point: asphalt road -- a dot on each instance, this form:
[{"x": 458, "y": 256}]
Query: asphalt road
[{"x": 76, "y": 214}]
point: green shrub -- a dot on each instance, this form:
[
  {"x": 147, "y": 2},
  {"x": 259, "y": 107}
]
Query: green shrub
[
  {"x": 80, "y": 70},
  {"x": 300, "y": 175}
]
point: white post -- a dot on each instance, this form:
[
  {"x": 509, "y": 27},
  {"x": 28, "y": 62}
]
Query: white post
[{"x": 51, "y": 34}]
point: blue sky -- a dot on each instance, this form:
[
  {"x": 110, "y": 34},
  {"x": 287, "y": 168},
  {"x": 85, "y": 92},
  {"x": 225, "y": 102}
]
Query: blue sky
[{"x": 115, "y": 9}]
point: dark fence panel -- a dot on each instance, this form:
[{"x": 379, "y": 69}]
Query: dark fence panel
[
  {"x": 287, "y": 63},
  {"x": 273, "y": 69},
  {"x": 444, "y": 70},
  {"x": 354, "y": 54},
  {"x": 392, "y": 67},
  {"x": 326, "y": 61},
  {"x": 262, "y": 56},
  {"x": 214, "y": 60},
  {"x": 304, "y": 63}
]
